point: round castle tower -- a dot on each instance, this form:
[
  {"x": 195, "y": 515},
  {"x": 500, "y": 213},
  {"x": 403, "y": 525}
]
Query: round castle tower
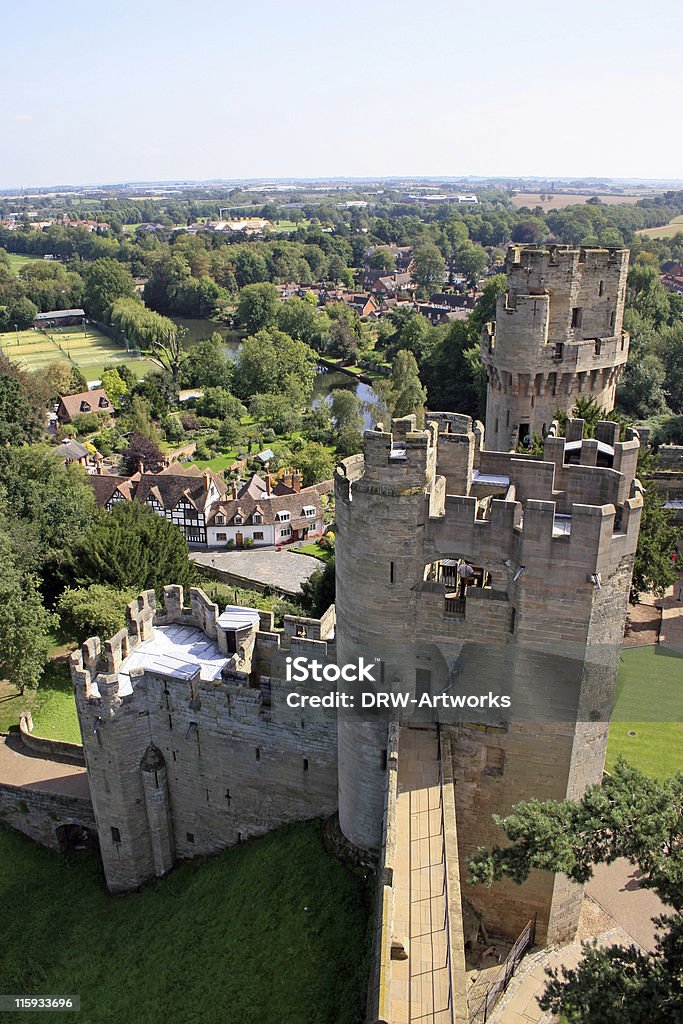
[
  {"x": 382, "y": 503},
  {"x": 557, "y": 337}
]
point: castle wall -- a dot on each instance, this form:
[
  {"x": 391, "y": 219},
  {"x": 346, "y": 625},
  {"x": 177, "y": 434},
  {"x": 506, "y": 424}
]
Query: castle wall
[{"x": 231, "y": 760}]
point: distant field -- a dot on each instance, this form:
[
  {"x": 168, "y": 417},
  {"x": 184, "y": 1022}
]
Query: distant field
[
  {"x": 16, "y": 259},
  {"x": 91, "y": 351},
  {"x": 674, "y": 227},
  {"x": 557, "y": 202},
  {"x": 289, "y": 225}
]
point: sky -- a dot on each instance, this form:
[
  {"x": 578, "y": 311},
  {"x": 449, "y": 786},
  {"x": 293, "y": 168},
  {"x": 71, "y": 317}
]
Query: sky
[{"x": 145, "y": 90}]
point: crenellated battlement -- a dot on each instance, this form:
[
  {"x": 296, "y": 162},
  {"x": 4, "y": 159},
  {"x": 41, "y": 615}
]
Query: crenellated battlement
[{"x": 558, "y": 335}]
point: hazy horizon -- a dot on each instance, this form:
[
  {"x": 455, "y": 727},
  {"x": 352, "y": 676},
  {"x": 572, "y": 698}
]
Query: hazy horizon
[{"x": 168, "y": 93}]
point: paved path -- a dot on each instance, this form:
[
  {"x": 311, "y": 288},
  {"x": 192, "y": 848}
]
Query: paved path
[
  {"x": 419, "y": 984},
  {"x": 19, "y": 767},
  {"x": 616, "y": 888},
  {"x": 283, "y": 571}
]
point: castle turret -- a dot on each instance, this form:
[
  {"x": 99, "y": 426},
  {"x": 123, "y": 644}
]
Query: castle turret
[
  {"x": 480, "y": 574},
  {"x": 557, "y": 337}
]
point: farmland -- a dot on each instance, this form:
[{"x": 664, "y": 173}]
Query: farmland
[
  {"x": 89, "y": 349},
  {"x": 557, "y": 201},
  {"x": 670, "y": 230}
]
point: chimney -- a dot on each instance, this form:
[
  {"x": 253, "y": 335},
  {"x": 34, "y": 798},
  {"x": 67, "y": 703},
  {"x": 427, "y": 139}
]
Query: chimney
[
  {"x": 296, "y": 482},
  {"x": 99, "y": 469},
  {"x": 141, "y": 466},
  {"x": 287, "y": 478},
  {"x": 234, "y": 489},
  {"x": 207, "y": 481},
  {"x": 268, "y": 484}
]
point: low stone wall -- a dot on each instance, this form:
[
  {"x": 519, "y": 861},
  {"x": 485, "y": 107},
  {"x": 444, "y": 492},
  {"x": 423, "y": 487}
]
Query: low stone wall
[
  {"x": 53, "y": 750},
  {"x": 39, "y": 814},
  {"x": 379, "y": 994}
]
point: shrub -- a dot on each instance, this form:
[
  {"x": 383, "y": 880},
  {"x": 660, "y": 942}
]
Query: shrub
[{"x": 230, "y": 545}]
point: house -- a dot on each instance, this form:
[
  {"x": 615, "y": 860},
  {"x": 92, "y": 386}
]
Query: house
[
  {"x": 364, "y": 305},
  {"x": 393, "y": 285},
  {"x": 672, "y": 276},
  {"x": 456, "y": 300},
  {"x": 185, "y": 495},
  {"x": 59, "y": 318},
  {"x": 73, "y": 451},
  {"x": 264, "y": 512},
  {"x": 69, "y": 406}
]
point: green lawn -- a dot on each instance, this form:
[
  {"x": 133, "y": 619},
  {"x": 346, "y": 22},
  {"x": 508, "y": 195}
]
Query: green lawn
[
  {"x": 271, "y": 932},
  {"x": 52, "y": 705},
  {"x": 17, "y": 259},
  {"x": 314, "y": 550},
  {"x": 649, "y": 698}
]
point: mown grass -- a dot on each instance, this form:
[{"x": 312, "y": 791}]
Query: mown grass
[
  {"x": 314, "y": 550},
  {"x": 670, "y": 230},
  {"x": 270, "y": 932},
  {"x": 51, "y": 704},
  {"x": 649, "y": 700}
]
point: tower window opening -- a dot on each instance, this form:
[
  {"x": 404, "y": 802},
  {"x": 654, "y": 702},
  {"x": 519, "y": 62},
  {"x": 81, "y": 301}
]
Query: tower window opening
[
  {"x": 258, "y": 753},
  {"x": 115, "y": 835},
  {"x": 305, "y": 764},
  {"x": 391, "y": 572},
  {"x": 189, "y": 836},
  {"x": 384, "y": 759},
  {"x": 601, "y": 288},
  {"x": 598, "y": 346},
  {"x": 577, "y": 316}
]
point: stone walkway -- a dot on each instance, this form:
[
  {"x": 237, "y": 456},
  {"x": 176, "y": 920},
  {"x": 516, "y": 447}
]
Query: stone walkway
[
  {"x": 282, "y": 571},
  {"x": 21, "y": 767},
  {"x": 420, "y": 983}
]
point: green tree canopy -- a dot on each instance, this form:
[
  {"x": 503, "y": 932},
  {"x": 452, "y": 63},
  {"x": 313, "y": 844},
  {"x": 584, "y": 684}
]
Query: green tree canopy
[
  {"x": 105, "y": 281},
  {"x": 266, "y": 362},
  {"x": 257, "y": 306},
  {"x": 429, "y": 267},
  {"x": 25, "y": 624},
  {"x": 133, "y": 547},
  {"x": 97, "y": 610},
  {"x": 207, "y": 365},
  {"x": 632, "y": 816}
]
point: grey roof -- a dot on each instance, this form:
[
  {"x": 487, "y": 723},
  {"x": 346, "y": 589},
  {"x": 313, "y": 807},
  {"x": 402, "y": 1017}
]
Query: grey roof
[
  {"x": 73, "y": 449},
  {"x": 55, "y": 314},
  {"x": 266, "y": 455}
]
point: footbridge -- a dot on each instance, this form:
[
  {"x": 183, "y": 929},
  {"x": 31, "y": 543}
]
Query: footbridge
[{"x": 418, "y": 974}]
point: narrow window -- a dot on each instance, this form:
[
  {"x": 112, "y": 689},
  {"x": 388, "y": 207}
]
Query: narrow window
[
  {"x": 577, "y": 314},
  {"x": 258, "y": 753},
  {"x": 207, "y": 796},
  {"x": 513, "y": 618},
  {"x": 601, "y": 288},
  {"x": 115, "y": 835},
  {"x": 305, "y": 764},
  {"x": 507, "y": 421},
  {"x": 227, "y": 796},
  {"x": 391, "y": 572},
  {"x": 598, "y": 346},
  {"x": 174, "y": 757},
  {"x": 384, "y": 759},
  {"x": 170, "y": 724},
  {"x": 189, "y": 836},
  {"x": 611, "y": 319},
  {"x": 559, "y": 350},
  {"x": 496, "y": 426}
]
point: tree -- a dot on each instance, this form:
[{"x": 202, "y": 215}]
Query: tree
[
  {"x": 654, "y": 569},
  {"x": 257, "y": 306},
  {"x": 141, "y": 451},
  {"x": 133, "y": 547},
  {"x": 276, "y": 412},
  {"x": 632, "y": 816},
  {"x": 429, "y": 267},
  {"x": 115, "y": 387},
  {"x": 207, "y": 365},
  {"x": 318, "y": 591},
  {"x": 471, "y": 261},
  {"x": 382, "y": 259},
  {"x": 105, "y": 281},
  {"x": 25, "y": 624},
  {"x": 137, "y": 419},
  {"x": 21, "y": 419},
  {"x": 97, "y": 610},
  {"x": 347, "y": 410},
  {"x": 302, "y": 320},
  {"x": 407, "y": 395},
  {"x": 219, "y": 404},
  {"x": 315, "y": 462},
  {"x": 342, "y": 342},
  {"x": 272, "y": 362}
]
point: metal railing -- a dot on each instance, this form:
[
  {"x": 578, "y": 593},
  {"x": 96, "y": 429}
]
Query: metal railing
[{"x": 524, "y": 940}]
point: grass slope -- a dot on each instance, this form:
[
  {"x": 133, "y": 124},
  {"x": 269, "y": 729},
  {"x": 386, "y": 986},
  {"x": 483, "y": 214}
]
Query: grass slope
[
  {"x": 271, "y": 932},
  {"x": 52, "y": 705},
  {"x": 670, "y": 230},
  {"x": 649, "y": 690}
]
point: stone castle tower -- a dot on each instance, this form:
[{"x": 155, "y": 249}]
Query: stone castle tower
[
  {"x": 552, "y": 542},
  {"x": 557, "y": 337}
]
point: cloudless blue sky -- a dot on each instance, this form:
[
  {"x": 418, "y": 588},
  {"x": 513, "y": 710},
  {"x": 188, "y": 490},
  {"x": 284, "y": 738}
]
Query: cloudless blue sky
[{"x": 164, "y": 89}]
